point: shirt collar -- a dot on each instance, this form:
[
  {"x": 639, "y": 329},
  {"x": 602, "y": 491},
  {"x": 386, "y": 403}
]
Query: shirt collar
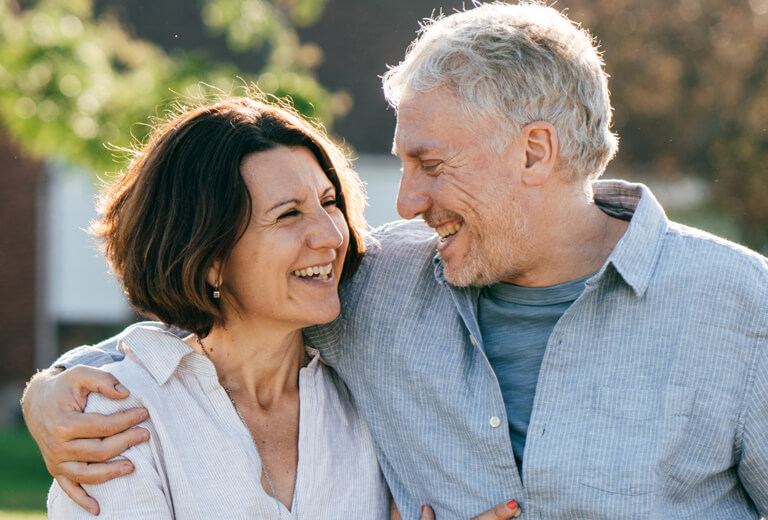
[
  {"x": 160, "y": 352},
  {"x": 636, "y": 254}
]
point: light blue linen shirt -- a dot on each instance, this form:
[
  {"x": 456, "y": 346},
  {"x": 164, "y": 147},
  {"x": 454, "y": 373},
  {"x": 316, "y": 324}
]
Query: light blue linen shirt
[{"x": 652, "y": 400}]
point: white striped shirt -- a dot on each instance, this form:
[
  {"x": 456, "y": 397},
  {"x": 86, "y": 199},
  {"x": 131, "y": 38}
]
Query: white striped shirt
[{"x": 201, "y": 462}]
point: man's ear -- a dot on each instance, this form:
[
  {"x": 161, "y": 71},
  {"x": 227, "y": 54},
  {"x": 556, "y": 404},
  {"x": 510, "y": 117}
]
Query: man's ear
[{"x": 541, "y": 146}]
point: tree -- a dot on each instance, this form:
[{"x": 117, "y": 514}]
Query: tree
[
  {"x": 71, "y": 81},
  {"x": 689, "y": 81}
]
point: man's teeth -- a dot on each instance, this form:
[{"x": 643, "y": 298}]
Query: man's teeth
[
  {"x": 320, "y": 272},
  {"x": 448, "y": 230}
]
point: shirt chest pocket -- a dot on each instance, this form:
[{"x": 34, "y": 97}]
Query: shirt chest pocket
[{"x": 630, "y": 431}]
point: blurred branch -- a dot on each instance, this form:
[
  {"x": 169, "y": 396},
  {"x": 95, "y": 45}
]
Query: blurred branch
[
  {"x": 689, "y": 81},
  {"x": 71, "y": 82}
]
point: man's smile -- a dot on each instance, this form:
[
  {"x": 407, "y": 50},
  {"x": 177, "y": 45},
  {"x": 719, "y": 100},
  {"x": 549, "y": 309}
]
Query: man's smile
[{"x": 448, "y": 230}]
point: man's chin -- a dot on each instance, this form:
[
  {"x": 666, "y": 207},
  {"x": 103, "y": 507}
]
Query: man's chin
[
  {"x": 463, "y": 276},
  {"x": 470, "y": 276}
]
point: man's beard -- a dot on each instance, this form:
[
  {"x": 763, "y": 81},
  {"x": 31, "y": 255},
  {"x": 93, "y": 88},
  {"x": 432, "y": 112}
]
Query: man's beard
[{"x": 495, "y": 254}]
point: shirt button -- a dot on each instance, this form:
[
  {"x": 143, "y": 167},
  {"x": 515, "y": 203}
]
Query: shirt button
[{"x": 495, "y": 421}]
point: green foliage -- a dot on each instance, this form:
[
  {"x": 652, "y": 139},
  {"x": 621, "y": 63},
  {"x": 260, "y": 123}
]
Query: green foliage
[
  {"x": 689, "y": 81},
  {"x": 71, "y": 82},
  {"x": 24, "y": 481}
]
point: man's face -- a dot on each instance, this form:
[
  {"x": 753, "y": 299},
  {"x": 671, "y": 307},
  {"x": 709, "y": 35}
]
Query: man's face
[{"x": 463, "y": 187}]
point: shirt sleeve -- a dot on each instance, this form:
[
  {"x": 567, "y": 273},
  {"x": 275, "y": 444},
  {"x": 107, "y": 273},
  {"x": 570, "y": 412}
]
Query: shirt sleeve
[
  {"x": 138, "y": 495},
  {"x": 753, "y": 466}
]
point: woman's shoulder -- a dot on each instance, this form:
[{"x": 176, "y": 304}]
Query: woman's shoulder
[
  {"x": 131, "y": 375},
  {"x": 151, "y": 357}
]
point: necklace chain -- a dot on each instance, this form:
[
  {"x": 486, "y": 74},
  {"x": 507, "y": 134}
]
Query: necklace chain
[{"x": 242, "y": 420}]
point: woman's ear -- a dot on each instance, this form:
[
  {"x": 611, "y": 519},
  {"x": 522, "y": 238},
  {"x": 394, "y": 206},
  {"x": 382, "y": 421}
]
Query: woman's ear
[
  {"x": 214, "y": 274},
  {"x": 541, "y": 147}
]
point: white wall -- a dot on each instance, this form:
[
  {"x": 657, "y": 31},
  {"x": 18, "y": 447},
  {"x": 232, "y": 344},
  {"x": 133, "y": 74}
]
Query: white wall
[{"x": 79, "y": 285}]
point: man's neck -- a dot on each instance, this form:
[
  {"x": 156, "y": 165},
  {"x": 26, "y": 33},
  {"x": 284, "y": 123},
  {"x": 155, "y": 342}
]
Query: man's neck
[{"x": 574, "y": 239}]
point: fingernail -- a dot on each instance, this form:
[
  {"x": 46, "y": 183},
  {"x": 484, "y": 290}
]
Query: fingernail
[
  {"x": 120, "y": 388},
  {"x": 144, "y": 436},
  {"x": 143, "y": 415},
  {"x": 512, "y": 505},
  {"x": 422, "y": 509}
]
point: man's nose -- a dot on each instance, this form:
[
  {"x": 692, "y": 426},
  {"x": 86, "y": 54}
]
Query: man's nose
[{"x": 412, "y": 196}]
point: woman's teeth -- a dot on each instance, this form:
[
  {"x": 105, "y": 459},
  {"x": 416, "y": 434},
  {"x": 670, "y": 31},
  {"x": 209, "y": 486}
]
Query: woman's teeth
[
  {"x": 448, "y": 230},
  {"x": 319, "y": 272}
]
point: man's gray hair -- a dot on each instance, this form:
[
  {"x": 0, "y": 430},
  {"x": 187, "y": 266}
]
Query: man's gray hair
[{"x": 517, "y": 64}]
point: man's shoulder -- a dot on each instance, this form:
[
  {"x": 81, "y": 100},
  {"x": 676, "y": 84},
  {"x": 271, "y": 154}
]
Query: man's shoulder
[
  {"x": 404, "y": 246},
  {"x": 715, "y": 250},
  {"x": 403, "y": 236},
  {"x": 717, "y": 261},
  {"x": 399, "y": 260}
]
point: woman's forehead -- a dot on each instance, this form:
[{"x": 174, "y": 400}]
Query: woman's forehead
[{"x": 283, "y": 172}]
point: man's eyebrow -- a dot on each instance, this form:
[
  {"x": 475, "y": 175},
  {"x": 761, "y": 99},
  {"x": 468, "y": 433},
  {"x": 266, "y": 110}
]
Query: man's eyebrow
[{"x": 416, "y": 151}]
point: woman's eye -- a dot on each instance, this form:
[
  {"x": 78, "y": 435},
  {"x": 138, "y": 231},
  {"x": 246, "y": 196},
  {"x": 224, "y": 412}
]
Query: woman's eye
[
  {"x": 330, "y": 202},
  {"x": 287, "y": 214}
]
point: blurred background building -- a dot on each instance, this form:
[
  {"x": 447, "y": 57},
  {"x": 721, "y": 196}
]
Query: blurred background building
[{"x": 689, "y": 80}]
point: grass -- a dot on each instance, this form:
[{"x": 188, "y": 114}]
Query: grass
[
  {"x": 23, "y": 515},
  {"x": 24, "y": 481}
]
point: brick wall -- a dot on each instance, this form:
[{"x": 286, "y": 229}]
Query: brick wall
[{"x": 19, "y": 178}]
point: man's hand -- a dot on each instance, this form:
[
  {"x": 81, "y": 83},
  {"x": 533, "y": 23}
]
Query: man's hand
[
  {"x": 503, "y": 511},
  {"x": 76, "y": 444}
]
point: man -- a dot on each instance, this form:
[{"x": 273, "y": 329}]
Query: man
[{"x": 551, "y": 338}]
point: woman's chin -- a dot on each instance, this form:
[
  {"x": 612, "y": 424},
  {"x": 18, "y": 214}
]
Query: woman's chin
[
  {"x": 328, "y": 313},
  {"x": 328, "y": 317}
]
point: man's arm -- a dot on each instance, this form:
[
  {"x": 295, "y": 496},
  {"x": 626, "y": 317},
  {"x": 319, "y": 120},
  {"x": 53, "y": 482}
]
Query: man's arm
[
  {"x": 75, "y": 445},
  {"x": 753, "y": 466},
  {"x": 504, "y": 511}
]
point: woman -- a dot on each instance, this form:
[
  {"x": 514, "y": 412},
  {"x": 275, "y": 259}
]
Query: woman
[{"x": 235, "y": 222}]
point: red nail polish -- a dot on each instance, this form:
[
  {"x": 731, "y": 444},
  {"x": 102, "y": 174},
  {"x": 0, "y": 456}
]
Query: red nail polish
[
  {"x": 512, "y": 505},
  {"x": 422, "y": 509}
]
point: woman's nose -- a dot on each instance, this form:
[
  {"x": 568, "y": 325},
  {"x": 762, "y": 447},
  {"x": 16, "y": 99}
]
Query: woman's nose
[{"x": 325, "y": 232}]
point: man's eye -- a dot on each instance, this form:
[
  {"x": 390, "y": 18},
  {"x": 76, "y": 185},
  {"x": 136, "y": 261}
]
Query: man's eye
[{"x": 430, "y": 166}]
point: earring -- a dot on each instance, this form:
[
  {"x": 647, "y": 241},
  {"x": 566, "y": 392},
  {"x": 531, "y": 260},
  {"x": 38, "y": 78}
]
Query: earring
[{"x": 216, "y": 292}]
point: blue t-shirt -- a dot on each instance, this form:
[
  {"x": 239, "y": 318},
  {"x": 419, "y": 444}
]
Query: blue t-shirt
[{"x": 515, "y": 323}]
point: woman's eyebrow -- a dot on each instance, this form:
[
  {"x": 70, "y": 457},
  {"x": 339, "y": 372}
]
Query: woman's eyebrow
[
  {"x": 298, "y": 201},
  {"x": 284, "y": 202}
]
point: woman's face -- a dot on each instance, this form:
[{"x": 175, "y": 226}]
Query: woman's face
[{"x": 284, "y": 271}]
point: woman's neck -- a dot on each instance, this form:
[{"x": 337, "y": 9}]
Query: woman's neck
[{"x": 261, "y": 364}]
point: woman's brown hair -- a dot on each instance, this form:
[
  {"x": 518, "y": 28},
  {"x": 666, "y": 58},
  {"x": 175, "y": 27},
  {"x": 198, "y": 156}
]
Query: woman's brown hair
[{"x": 182, "y": 203}]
